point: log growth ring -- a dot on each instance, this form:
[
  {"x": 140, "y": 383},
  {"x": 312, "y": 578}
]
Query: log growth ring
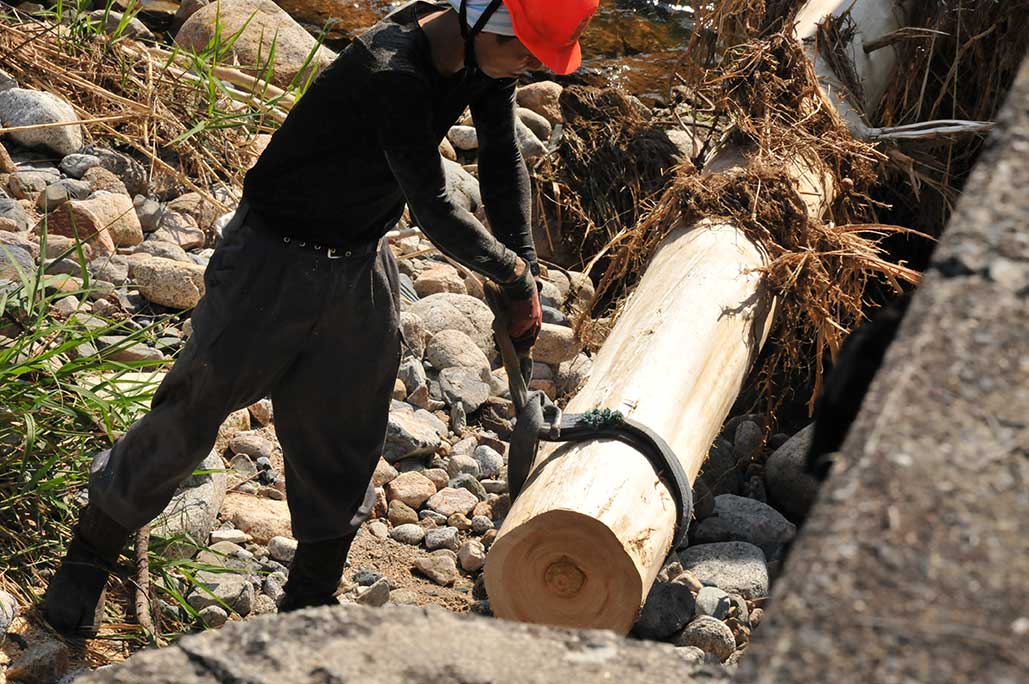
[{"x": 563, "y": 568}]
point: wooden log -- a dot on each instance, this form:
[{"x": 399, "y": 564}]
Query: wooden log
[
  {"x": 586, "y": 538},
  {"x": 584, "y": 541}
]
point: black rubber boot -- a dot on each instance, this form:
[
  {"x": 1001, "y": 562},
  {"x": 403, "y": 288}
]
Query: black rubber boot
[
  {"x": 74, "y": 602},
  {"x": 314, "y": 574}
]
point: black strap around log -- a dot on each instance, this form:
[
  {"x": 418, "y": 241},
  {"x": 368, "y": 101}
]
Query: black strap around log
[{"x": 539, "y": 419}]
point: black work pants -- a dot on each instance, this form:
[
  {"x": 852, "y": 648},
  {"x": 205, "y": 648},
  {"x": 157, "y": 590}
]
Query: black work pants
[{"x": 320, "y": 335}]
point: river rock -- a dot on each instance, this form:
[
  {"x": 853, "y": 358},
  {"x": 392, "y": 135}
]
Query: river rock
[
  {"x": 259, "y": 23},
  {"x": 8, "y": 611},
  {"x": 20, "y": 107},
  {"x": 440, "y": 568},
  {"x": 262, "y": 411},
  {"x": 26, "y": 185},
  {"x": 446, "y": 150},
  {"x": 461, "y": 463},
  {"x": 15, "y": 261},
  {"x": 213, "y": 616},
  {"x": 230, "y": 588},
  {"x": 453, "y": 348},
  {"x": 112, "y": 22},
  {"x": 710, "y": 635},
  {"x": 414, "y": 333},
  {"x": 464, "y": 385},
  {"x": 530, "y": 146},
  {"x": 733, "y": 567},
  {"x": 192, "y": 512},
  {"x": 399, "y": 513},
  {"x": 556, "y": 344},
  {"x": 489, "y": 460},
  {"x": 439, "y": 278},
  {"x": 60, "y": 192},
  {"x": 464, "y": 189},
  {"x": 179, "y": 229},
  {"x": 109, "y": 218},
  {"x": 259, "y": 517},
  {"x": 713, "y": 602},
  {"x": 116, "y": 348},
  {"x": 412, "y": 488},
  {"x": 463, "y": 138},
  {"x": 790, "y": 487},
  {"x": 282, "y": 549},
  {"x": 174, "y": 284},
  {"x": 76, "y": 164},
  {"x": 376, "y": 595},
  {"x": 537, "y": 123},
  {"x": 409, "y": 434},
  {"x": 573, "y": 374},
  {"x": 442, "y": 538},
  {"x": 100, "y": 178},
  {"x": 408, "y": 534},
  {"x": 384, "y": 473},
  {"x": 469, "y": 482},
  {"x": 448, "y": 311},
  {"x": 12, "y": 210},
  {"x": 129, "y": 171},
  {"x": 165, "y": 250},
  {"x": 453, "y": 500},
  {"x": 747, "y": 443},
  {"x": 719, "y": 473},
  {"x": 543, "y": 98},
  {"x": 44, "y": 661},
  {"x": 472, "y": 556},
  {"x": 251, "y": 443},
  {"x": 196, "y": 206},
  {"x": 669, "y": 606},
  {"x": 738, "y": 518},
  {"x": 113, "y": 269}
]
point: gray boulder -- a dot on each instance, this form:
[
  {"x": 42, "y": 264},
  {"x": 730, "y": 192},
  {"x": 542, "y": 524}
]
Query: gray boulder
[
  {"x": 400, "y": 645},
  {"x": 260, "y": 23},
  {"x": 15, "y": 261},
  {"x": 453, "y": 348},
  {"x": 12, "y": 209},
  {"x": 489, "y": 460},
  {"x": 20, "y": 107},
  {"x": 174, "y": 284},
  {"x": 77, "y": 164},
  {"x": 409, "y": 434},
  {"x": 789, "y": 485},
  {"x": 192, "y": 512},
  {"x": 738, "y": 518},
  {"x": 449, "y": 311},
  {"x": 710, "y": 635},
  {"x": 713, "y": 602},
  {"x": 464, "y": 386},
  {"x": 8, "y": 610},
  {"x": 733, "y": 567},
  {"x": 669, "y": 606},
  {"x": 231, "y": 588}
]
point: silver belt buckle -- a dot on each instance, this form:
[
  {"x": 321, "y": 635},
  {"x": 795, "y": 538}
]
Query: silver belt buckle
[{"x": 333, "y": 253}]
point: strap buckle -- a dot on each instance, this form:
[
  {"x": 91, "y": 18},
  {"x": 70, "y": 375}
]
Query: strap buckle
[{"x": 334, "y": 253}]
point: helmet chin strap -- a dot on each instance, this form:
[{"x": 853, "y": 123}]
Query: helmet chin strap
[{"x": 470, "y": 63}]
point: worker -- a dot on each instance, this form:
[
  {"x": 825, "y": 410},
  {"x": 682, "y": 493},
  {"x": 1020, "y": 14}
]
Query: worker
[{"x": 302, "y": 298}]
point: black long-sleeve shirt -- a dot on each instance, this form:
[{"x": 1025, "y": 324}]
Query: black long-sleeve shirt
[{"x": 366, "y": 136}]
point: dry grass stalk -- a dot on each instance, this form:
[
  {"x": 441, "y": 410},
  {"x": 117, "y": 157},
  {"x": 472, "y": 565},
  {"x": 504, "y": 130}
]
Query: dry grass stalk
[
  {"x": 148, "y": 103},
  {"x": 820, "y": 271},
  {"x": 960, "y": 67}
]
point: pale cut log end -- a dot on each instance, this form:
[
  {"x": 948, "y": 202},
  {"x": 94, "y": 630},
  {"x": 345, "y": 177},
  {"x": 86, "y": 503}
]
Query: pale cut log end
[{"x": 563, "y": 568}]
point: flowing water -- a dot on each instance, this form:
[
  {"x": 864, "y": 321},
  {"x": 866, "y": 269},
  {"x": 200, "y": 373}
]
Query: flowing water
[{"x": 633, "y": 43}]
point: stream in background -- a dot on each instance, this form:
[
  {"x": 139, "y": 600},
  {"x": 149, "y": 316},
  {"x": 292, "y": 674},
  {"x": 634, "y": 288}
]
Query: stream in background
[{"x": 633, "y": 43}]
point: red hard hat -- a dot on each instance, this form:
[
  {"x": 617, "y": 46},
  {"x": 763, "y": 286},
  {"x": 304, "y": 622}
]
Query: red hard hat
[{"x": 550, "y": 29}]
